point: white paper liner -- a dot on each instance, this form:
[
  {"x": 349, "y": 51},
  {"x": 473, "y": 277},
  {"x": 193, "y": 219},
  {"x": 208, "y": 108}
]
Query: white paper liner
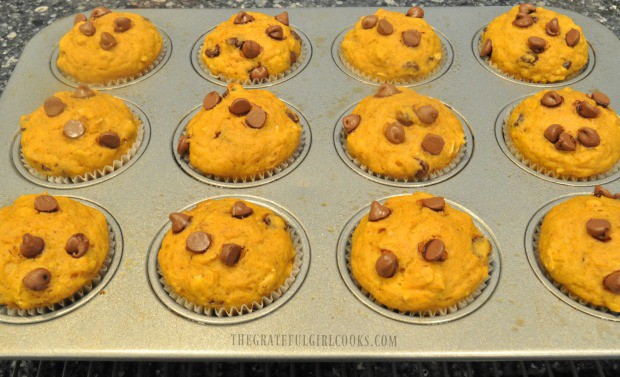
[
  {"x": 355, "y": 71},
  {"x": 487, "y": 59},
  {"x": 79, "y": 294},
  {"x": 426, "y": 313},
  {"x": 542, "y": 170},
  {"x": 259, "y": 176},
  {"x": 559, "y": 286},
  {"x": 124, "y": 80},
  {"x": 117, "y": 164},
  {"x": 430, "y": 176},
  {"x": 244, "y": 309},
  {"x": 302, "y": 56}
]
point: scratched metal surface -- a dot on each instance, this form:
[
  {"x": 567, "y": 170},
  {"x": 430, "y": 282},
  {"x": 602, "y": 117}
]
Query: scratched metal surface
[{"x": 520, "y": 319}]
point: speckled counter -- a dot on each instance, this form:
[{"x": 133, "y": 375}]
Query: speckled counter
[{"x": 22, "y": 19}]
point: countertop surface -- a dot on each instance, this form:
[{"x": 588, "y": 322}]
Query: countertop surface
[{"x": 22, "y": 19}]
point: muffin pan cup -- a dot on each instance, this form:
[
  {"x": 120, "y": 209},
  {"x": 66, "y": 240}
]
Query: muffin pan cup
[{"x": 323, "y": 319}]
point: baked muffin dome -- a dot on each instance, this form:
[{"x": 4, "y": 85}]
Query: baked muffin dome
[
  {"x": 402, "y": 134},
  {"x": 226, "y": 253},
  {"x": 392, "y": 47},
  {"x": 251, "y": 46},
  {"x": 416, "y": 253},
  {"x": 242, "y": 134},
  {"x": 109, "y": 46},
  {"x": 51, "y": 247},
  {"x": 566, "y": 133},
  {"x": 535, "y": 44},
  {"x": 74, "y": 133},
  {"x": 578, "y": 245}
]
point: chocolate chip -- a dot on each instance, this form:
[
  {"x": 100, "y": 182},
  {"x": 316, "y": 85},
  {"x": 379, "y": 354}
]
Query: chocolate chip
[
  {"x": 567, "y": 64},
  {"x": 434, "y": 251},
  {"x": 411, "y": 38},
  {"x": 243, "y": 18},
  {"x": 486, "y": 49},
  {"x": 240, "y": 210},
  {"x": 552, "y": 133},
  {"x": 45, "y": 203},
  {"x": 411, "y": 65},
  {"x": 436, "y": 203},
  {"x": 283, "y": 18},
  {"x": 109, "y": 139},
  {"x": 240, "y": 106},
  {"x": 415, "y": 12},
  {"x": 386, "y": 90},
  {"x": 424, "y": 168},
  {"x": 295, "y": 35},
  {"x": 212, "y": 52},
  {"x": 292, "y": 115},
  {"x": 527, "y": 8},
  {"x": 73, "y": 129},
  {"x": 275, "y": 32},
  {"x": 586, "y": 110},
  {"x": 211, "y": 99},
  {"x": 433, "y": 144},
  {"x": 601, "y": 191},
  {"x": 384, "y": 27},
  {"x": 427, "y": 114},
  {"x": 107, "y": 41},
  {"x": 198, "y": 242},
  {"x": 122, "y": 24},
  {"x": 234, "y": 42},
  {"x": 183, "y": 145},
  {"x": 572, "y": 37},
  {"x": 87, "y": 28},
  {"x": 404, "y": 118},
  {"x": 529, "y": 58},
  {"x": 553, "y": 27},
  {"x": 612, "y": 282},
  {"x": 588, "y": 137},
  {"x": 293, "y": 57},
  {"x": 230, "y": 253},
  {"x": 256, "y": 118},
  {"x": 79, "y": 18},
  {"x": 31, "y": 245},
  {"x": 551, "y": 99},
  {"x": 395, "y": 133},
  {"x": 99, "y": 11},
  {"x": 369, "y": 22},
  {"x": 600, "y": 99},
  {"x": 387, "y": 264},
  {"x": 77, "y": 245},
  {"x": 350, "y": 122},
  {"x": 566, "y": 142},
  {"x": 519, "y": 120},
  {"x": 37, "y": 279},
  {"x": 83, "y": 91},
  {"x": 536, "y": 44},
  {"x": 179, "y": 221},
  {"x": 259, "y": 73},
  {"x": 250, "y": 49},
  {"x": 523, "y": 20},
  {"x": 53, "y": 106},
  {"x": 599, "y": 229},
  {"x": 378, "y": 211}
]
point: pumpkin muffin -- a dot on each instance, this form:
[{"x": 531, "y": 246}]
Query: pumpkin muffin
[
  {"x": 109, "y": 46},
  {"x": 416, "y": 253},
  {"x": 51, "y": 248},
  {"x": 535, "y": 44},
  {"x": 226, "y": 254},
  {"x": 251, "y": 46},
  {"x": 402, "y": 134},
  {"x": 392, "y": 47},
  {"x": 565, "y": 133},
  {"x": 578, "y": 245}
]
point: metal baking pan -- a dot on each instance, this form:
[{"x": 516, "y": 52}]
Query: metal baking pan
[{"x": 322, "y": 317}]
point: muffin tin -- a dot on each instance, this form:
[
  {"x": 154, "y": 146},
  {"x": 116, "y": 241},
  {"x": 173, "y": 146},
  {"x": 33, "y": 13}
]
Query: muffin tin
[{"x": 321, "y": 318}]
